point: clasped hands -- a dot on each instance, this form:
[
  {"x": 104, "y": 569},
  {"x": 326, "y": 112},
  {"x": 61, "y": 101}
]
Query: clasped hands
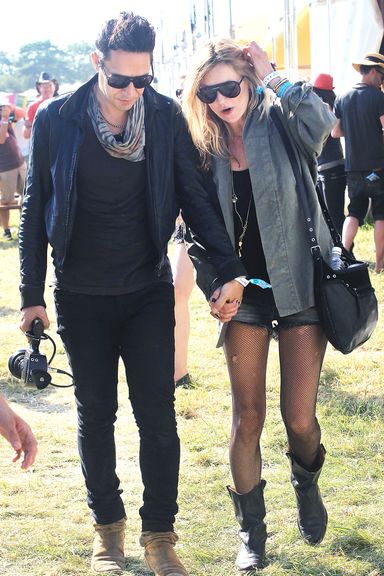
[{"x": 225, "y": 301}]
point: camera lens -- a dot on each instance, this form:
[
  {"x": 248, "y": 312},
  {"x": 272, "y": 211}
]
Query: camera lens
[{"x": 15, "y": 363}]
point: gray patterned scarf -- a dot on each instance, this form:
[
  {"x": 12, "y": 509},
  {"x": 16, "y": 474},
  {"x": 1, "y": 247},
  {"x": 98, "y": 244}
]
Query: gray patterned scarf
[{"x": 132, "y": 146}]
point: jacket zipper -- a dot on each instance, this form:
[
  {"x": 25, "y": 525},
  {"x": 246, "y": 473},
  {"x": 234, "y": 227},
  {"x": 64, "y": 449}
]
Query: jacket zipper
[
  {"x": 152, "y": 198},
  {"x": 69, "y": 204}
]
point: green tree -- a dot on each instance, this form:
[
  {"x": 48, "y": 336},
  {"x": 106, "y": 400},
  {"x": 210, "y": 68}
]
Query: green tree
[
  {"x": 69, "y": 65},
  {"x": 79, "y": 58},
  {"x": 6, "y": 64},
  {"x": 41, "y": 56}
]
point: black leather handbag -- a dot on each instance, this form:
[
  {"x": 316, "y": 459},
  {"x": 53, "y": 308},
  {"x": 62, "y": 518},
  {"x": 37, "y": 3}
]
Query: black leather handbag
[{"x": 345, "y": 298}]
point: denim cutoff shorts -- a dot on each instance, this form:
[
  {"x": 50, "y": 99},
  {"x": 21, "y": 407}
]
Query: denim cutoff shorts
[{"x": 262, "y": 311}]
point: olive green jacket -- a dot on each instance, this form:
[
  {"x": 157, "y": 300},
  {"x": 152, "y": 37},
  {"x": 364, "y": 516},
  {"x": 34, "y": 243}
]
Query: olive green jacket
[{"x": 308, "y": 122}]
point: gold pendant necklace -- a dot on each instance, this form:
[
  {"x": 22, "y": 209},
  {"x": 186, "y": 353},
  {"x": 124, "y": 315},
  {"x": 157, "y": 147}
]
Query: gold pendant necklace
[{"x": 244, "y": 223}]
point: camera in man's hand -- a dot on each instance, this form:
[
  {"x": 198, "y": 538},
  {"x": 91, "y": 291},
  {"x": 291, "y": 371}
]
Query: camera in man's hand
[{"x": 30, "y": 365}]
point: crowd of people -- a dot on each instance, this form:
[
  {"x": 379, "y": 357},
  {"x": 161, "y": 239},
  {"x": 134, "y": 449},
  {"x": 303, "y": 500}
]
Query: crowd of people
[
  {"x": 124, "y": 165},
  {"x": 15, "y": 132}
]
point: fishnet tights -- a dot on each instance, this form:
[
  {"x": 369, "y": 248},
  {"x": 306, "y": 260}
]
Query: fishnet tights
[{"x": 301, "y": 353}]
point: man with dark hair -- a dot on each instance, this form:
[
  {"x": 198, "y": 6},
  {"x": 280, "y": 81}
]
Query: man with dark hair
[
  {"x": 360, "y": 114},
  {"x": 111, "y": 166}
]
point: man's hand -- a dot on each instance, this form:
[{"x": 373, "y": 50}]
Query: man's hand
[
  {"x": 29, "y": 314},
  {"x": 18, "y": 433},
  {"x": 225, "y": 301},
  {"x": 337, "y": 130}
]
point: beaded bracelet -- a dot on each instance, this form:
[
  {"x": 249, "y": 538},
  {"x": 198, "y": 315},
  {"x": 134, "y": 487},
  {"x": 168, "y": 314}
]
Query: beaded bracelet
[
  {"x": 284, "y": 88},
  {"x": 279, "y": 84}
]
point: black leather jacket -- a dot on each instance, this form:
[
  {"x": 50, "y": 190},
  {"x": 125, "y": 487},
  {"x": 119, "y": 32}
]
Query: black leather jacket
[{"x": 174, "y": 182}]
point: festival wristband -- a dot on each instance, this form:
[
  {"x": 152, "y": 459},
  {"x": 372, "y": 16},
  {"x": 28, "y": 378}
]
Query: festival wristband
[
  {"x": 242, "y": 280},
  {"x": 270, "y": 77},
  {"x": 259, "y": 282}
]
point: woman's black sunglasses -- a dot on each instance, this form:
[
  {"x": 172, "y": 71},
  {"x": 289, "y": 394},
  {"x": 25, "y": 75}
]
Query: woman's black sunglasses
[
  {"x": 119, "y": 81},
  {"x": 230, "y": 89}
]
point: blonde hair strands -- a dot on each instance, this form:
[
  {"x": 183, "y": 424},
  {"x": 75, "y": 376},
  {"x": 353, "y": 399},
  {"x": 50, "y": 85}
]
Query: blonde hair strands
[{"x": 209, "y": 133}]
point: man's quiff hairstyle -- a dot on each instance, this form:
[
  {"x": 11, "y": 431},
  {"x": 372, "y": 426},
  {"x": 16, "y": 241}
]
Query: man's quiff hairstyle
[{"x": 128, "y": 32}]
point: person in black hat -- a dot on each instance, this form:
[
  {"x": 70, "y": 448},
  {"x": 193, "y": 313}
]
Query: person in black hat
[
  {"x": 47, "y": 87},
  {"x": 44, "y": 82},
  {"x": 360, "y": 114}
]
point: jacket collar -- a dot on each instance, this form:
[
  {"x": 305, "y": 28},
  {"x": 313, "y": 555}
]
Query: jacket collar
[{"x": 75, "y": 105}]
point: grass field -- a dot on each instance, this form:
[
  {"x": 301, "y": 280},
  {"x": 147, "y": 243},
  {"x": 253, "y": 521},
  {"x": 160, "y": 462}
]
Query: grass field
[{"x": 45, "y": 527}]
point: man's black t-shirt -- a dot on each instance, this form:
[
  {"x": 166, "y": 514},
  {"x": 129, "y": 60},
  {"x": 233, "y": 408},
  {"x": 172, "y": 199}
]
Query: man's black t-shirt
[
  {"x": 359, "y": 111},
  {"x": 332, "y": 151},
  {"x": 111, "y": 251}
]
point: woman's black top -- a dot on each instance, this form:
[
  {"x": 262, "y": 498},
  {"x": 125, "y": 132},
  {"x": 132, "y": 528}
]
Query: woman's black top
[{"x": 252, "y": 253}]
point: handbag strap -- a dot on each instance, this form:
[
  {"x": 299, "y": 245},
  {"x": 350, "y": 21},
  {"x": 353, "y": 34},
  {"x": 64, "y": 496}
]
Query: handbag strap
[
  {"x": 327, "y": 217},
  {"x": 302, "y": 194}
]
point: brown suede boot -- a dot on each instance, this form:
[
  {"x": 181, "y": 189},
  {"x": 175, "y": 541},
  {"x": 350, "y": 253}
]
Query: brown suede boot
[
  {"x": 108, "y": 547},
  {"x": 160, "y": 555}
]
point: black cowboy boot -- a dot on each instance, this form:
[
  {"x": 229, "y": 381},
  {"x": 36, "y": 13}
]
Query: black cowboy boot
[
  {"x": 312, "y": 517},
  {"x": 250, "y": 513}
]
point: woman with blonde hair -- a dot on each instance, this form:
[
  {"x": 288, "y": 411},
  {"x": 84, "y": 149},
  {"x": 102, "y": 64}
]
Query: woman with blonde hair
[{"x": 229, "y": 112}]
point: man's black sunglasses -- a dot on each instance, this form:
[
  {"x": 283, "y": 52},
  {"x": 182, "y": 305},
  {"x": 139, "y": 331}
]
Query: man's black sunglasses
[
  {"x": 119, "y": 81},
  {"x": 229, "y": 89}
]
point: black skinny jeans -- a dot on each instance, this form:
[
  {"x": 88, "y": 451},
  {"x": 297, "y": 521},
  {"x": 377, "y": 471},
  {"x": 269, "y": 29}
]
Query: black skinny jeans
[{"x": 139, "y": 327}]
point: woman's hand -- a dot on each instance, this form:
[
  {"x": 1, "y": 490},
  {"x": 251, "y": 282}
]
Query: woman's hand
[
  {"x": 259, "y": 59},
  {"x": 225, "y": 301}
]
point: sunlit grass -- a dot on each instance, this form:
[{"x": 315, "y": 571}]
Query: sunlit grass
[{"x": 45, "y": 527}]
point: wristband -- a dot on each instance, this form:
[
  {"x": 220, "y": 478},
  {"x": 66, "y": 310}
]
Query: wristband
[
  {"x": 284, "y": 88},
  {"x": 270, "y": 77},
  {"x": 278, "y": 84},
  {"x": 242, "y": 280}
]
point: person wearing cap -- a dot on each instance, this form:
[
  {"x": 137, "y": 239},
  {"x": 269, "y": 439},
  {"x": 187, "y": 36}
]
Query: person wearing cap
[
  {"x": 360, "y": 114},
  {"x": 332, "y": 179},
  {"x": 47, "y": 87}
]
